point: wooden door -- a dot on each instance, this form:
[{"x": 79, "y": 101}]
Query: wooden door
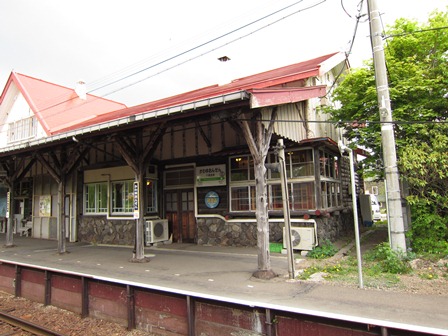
[{"x": 180, "y": 215}]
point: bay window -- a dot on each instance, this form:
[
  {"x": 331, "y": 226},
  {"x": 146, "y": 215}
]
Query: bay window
[{"x": 301, "y": 176}]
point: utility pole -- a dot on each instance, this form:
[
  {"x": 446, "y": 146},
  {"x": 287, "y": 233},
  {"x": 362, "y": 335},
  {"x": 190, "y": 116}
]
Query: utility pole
[{"x": 396, "y": 223}]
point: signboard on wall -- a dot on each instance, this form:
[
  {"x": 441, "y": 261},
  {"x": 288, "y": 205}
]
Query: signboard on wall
[
  {"x": 208, "y": 176},
  {"x": 45, "y": 206},
  {"x": 136, "y": 201}
]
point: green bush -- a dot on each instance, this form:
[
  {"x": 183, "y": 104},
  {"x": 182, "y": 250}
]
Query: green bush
[
  {"x": 388, "y": 260},
  {"x": 325, "y": 250},
  {"x": 429, "y": 231}
]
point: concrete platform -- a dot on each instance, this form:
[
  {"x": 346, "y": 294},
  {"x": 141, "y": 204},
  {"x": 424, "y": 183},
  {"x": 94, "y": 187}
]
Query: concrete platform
[{"x": 225, "y": 274}]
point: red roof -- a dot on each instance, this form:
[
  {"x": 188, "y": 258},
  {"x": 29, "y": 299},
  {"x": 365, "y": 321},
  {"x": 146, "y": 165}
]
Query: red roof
[
  {"x": 58, "y": 107},
  {"x": 61, "y": 111},
  {"x": 287, "y": 74}
]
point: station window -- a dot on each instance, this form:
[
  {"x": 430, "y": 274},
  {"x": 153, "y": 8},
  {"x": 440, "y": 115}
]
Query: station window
[
  {"x": 300, "y": 171},
  {"x": 151, "y": 195},
  {"x": 95, "y": 198},
  {"x": 122, "y": 197}
]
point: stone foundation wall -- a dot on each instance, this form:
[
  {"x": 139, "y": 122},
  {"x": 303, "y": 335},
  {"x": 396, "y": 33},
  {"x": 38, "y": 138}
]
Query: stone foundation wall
[
  {"x": 100, "y": 230},
  {"x": 216, "y": 232},
  {"x": 211, "y": 231}
]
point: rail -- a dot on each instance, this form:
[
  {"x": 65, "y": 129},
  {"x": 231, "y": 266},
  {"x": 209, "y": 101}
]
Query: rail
[{"x": 25, "y": 325}]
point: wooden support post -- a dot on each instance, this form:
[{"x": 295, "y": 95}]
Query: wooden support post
[
  {"x": 18, "y": 282},
  {"x": 270, "y": 327},
  {"x": 84, "y": 297},
  {"x": 191, "y": 316},
  {"x": 47, "y": 299},
  {"x": 131, "y": 307}
]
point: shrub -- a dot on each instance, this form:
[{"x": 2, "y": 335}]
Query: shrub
[
  {"x": 389, "y": 261},
  {"x": 325, "y": 250}
]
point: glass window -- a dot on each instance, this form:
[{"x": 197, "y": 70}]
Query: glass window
[
  {"x": 329, "y": 165},
  {"x": 22, "y": 129},
  {"x": 95, "y": 198},
  {"x": 241, "y": 168},
  {"x": 122, "y": 196},
  {"x": 300, "y": 163},
  {"x": 151, "y": 195},
  {"x": 303, "y": 196},
  {"x": 181, "y": 177},
  {"x": 242, "y": 198}
]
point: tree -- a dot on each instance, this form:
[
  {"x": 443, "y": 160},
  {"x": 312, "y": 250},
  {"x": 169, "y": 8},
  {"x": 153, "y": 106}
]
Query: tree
[
  {"x": 258, "y": 138},
  {"x": 417, "y": 63}
]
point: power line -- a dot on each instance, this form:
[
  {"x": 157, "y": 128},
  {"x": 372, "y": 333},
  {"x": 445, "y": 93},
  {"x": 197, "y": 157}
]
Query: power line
[
  {"x": 415, "y": 32},
  {"x": 181, "y": 54},
  {"x": 214, "y": 49},
  {"x": 194, "y": 48},
  {"x": 199, "y": 46}
]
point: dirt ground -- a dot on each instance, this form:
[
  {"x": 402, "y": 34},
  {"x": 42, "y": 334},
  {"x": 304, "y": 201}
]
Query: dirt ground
[{"x": 427, "y": 276}]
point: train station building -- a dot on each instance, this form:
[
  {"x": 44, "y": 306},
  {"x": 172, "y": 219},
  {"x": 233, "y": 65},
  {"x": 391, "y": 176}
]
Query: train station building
[{"x": 77, "y": 167}]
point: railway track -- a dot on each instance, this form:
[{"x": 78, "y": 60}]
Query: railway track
[{"x": 12, "y": 325}]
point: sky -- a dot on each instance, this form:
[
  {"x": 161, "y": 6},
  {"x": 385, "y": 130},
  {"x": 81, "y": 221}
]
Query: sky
[{"x": 137, "y": 51}]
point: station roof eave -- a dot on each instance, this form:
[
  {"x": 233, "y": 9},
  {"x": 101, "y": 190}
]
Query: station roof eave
[{"x": 127, "y": 121}]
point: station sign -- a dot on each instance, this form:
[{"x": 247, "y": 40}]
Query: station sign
[
  {"x": 136, "y": 201},
  {"x": 208, "y": 176}
]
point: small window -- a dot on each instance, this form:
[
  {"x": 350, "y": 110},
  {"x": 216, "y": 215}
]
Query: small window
[
  {"x": 95, "y": 198},
  {"x": 151, "y": 195},
  {"x": 122, "y": 197},
  {"x": 300, "y": 163},
  {"x": 241, "y": 168},
  {"x": 179, "y": 177},
  {"x": 243, "y": 198},
  {"x": 22, "y": 129}
]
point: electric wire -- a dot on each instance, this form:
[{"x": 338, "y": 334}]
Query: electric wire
[
  {"x": 211, "y": 50},
  {"x": 193, "y": 58},
  {"x": 200, "y": 45},
  {"x": 352, "y": 41},
  {"x": 180, "y": 54}
]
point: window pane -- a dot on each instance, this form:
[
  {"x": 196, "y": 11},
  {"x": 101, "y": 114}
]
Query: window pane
[
  {"x": 303, "y": 196},
  {"x": 179, "y": 177},
  {"x": 240, "y": 199},
  {"x": 151, "y": 195},
  {"x": 95, "y": 198},
  {"x": 302, "y": 163},
  {"x": 239, "y": 168},
  {"x": 275, "y": 199},
  {"x": 102, "y": 197},
  {"x": 122, "y": 197},
  {"x": 90, "y": 198}
]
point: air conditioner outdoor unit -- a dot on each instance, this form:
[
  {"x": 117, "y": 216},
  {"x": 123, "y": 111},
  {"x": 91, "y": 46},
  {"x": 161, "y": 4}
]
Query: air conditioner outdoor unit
[
  {"x": 156, "y": 231},
  {"x": 302, "y": 238}
]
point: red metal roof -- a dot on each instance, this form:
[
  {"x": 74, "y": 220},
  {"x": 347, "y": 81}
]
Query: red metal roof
[
  {"x": 58, "y": 107},
  {"x": 268, "y": 79}
]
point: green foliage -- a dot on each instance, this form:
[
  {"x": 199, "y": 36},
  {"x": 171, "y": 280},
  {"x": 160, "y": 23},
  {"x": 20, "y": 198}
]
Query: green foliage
[
  {"x": 388, "y": 260},
  {"x": 425, "y": 167},
  {"x": 418, "y": 79},
  {"x": 417, "y": 65},
  {"x": 325, "y": 250}
]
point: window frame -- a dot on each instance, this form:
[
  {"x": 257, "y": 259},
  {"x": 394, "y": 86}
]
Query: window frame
[{"x": 97, "y": 198}]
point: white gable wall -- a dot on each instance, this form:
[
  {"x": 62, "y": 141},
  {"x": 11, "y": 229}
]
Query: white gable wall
[{"x": 14, "y": 108}]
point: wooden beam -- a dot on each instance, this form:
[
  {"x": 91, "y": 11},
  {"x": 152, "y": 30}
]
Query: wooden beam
[
  {"x": 56, "y": 175},
  {"x": 153, "y": 142},
  {"x": 127, "y": 155}
]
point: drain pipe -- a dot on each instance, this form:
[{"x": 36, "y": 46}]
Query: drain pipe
[{"x": 343, "y": 148}]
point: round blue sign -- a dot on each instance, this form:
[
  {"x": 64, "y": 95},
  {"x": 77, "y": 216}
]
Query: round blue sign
[{"x": 211, "y": 199}]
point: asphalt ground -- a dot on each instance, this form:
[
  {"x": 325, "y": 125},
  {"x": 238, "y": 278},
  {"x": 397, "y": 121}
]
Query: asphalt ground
[{"x": 225, "y": 274}]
